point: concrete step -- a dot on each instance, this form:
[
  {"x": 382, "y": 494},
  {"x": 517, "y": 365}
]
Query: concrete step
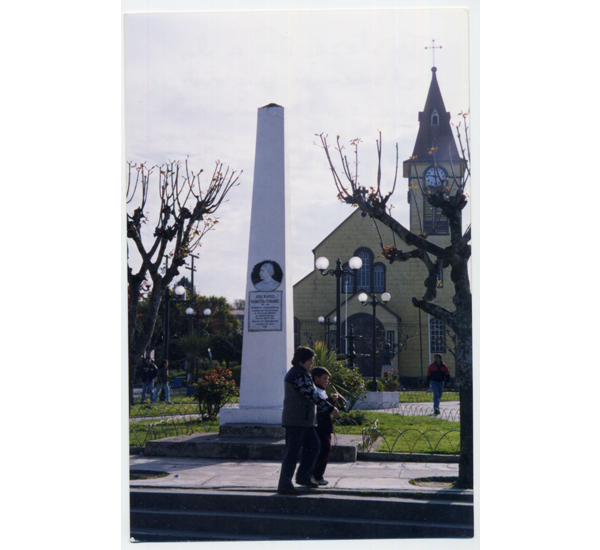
[
  {"x": 216, "y": 515},
  {"x": 213, "y": 445}
]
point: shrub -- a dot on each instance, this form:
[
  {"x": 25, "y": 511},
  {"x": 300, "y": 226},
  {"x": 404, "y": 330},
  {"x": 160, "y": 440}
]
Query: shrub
[
  {"x": 353, "y": 418},
  {"x": 344, "y": 380},
  {"x": 236, "y": 371},
  {"x": 214, "y": 390},
  {"x": 390, "y": 380},
  {"x": 371, "y": 387}
]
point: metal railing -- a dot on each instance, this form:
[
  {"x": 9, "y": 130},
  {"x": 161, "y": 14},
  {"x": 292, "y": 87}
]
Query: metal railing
[
  {"x": 410, "y": 409},
  {"x": 393, "y": 440},
  {"x": 179, "y": 419},
  {"x": 408, "y": 445},
  {"x": 140, "y": 433}
]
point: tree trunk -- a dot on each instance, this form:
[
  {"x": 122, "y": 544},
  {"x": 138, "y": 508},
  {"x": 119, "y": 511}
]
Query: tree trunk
[
  {"x": 464, "y": 363},
  {"x": 138, "y": 344},
  {"x": 133, "y": 363}
]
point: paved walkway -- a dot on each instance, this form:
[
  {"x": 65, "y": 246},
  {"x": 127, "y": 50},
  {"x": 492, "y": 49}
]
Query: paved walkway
[{"x": 204, "y": 473}]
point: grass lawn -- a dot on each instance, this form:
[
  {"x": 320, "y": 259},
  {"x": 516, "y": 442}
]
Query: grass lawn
[
  {"x": 186, "y": 405},
  {"x": 423, "y": 397},
  {"x": 410, "y": 434},
  {"x": 181, "y": 405},
  {"x": 396, "y": 433},
  {"x": 149, "y": 430}
]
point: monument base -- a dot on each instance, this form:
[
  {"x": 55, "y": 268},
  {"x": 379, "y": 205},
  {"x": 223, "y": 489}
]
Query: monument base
[
  {"x": 245, "y": 421},
  {"x": 253, "y": 431},
  {"x": 375, "y": 400},
  {"x": 212, "y": 445}
]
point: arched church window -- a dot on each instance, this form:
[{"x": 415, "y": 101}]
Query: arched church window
[
  {"x": 440, "y": 279},
  {"x": 347, "y": 282},
  {"x": 363, "y": 277},
  {"x": 435, "y": 118},
  {"x": 437, "y": 336},
  {"x": 378, "y": 278},
  {"x": 434, "y": 222}
]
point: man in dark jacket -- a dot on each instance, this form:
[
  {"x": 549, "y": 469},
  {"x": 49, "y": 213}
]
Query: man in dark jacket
[
  {"x": 149, "y": 372},
  {"x": 437, "y": 374},
  {"x": 300, "y": 404},
  {"x": 162, "y": 382}
]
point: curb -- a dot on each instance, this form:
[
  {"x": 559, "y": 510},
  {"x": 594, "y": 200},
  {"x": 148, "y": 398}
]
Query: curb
[
  {"x": 455, "y": 495},
  {"x": 363, "y": 456}
]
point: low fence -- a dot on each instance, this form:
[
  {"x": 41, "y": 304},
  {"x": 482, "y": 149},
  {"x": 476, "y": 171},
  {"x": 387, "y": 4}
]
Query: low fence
[
  {"x": 411, "y": 409},
  {"x": 411, "y": 441},
  {"x": 139, "y": 412},
  {"x": 184, "y": 419},
  {"x": 140, "y": 433}
]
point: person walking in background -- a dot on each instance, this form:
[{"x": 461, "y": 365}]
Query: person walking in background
[
  {"x": 162, "y": 380},
  {"x": 320, "y": 377},
  {"x": 437, "y": 374},
  {"x": 299, "y": 418},
  {"x": 149, "y": 372}
]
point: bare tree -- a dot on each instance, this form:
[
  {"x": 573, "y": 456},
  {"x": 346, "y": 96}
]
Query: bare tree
[
  {"x": 447, "y": 195},
  {"x": 185, "y": 214}
]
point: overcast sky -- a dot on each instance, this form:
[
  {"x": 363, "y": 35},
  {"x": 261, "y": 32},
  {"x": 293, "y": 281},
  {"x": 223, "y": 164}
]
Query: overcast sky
[{"x": 194, "y": 83}]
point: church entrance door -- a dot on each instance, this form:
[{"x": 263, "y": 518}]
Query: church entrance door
[{"x": 363, "y": 341}]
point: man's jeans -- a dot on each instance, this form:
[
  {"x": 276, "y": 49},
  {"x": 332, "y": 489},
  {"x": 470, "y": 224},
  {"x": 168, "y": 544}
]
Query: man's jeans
[
  {"x": 157, "y": 392},
  {"x": 438, "y": 389},
  {"x": 297, "y": 438},
  {"x": 147, "y": 387}
]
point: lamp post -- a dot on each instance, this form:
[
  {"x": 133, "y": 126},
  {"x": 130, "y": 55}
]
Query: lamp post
[
  {"x": 363, "y": 299},
  {"x": 179, "y": 291},
  {"x": 326, "y": 323},
  {"x": 351, "y": 350},
  {"x": 190, "y": 311},
  {"x": 322, "y": 263},
  {"x": 191, "y": 314}
]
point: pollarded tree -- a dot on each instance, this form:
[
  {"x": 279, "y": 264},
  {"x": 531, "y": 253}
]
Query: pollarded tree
[
  {"x": 444, "y": 200},
  {"x": 183, "y": 214}
]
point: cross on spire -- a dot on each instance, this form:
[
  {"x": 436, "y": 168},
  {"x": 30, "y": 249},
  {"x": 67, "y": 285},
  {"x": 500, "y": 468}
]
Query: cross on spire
[{"x": 433, "y": 47}]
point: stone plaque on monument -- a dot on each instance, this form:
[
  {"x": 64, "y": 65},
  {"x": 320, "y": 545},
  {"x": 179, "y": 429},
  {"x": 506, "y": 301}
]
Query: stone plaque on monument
[{"x": 264, "y": 310}]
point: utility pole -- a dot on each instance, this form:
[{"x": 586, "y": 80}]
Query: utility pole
[{"x": 192, "y": 269}]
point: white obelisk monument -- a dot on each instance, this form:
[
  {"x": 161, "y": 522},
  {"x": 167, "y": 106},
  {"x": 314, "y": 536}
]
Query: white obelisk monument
[{"x": 268, "y": 320}]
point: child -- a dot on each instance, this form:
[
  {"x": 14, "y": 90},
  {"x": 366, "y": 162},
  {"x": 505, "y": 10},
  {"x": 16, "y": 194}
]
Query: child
[{"x": 324, "y": 428}]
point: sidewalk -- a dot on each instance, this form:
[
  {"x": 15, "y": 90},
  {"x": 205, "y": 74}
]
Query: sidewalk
[
  {"x": 252, "y": 475},
  {"x": 263, "y": 475}
]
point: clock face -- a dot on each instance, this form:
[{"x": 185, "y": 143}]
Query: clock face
[{"x": 434, "y": 176}]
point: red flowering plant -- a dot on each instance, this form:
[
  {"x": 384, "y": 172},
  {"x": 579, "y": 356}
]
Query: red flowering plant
[{"x": 214, "y": 390}]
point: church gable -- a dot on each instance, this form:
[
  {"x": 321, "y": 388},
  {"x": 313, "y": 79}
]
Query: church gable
[{"x": 356, "y": 231}]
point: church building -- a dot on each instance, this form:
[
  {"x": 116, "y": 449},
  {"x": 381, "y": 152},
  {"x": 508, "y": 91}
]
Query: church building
[{"x": 411, "y": 333}]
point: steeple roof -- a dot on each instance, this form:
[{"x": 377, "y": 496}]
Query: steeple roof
[{"x": 434, "y": 128}]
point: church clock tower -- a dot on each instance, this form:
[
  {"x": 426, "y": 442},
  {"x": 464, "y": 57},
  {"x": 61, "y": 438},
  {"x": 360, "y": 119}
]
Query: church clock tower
[{"x": 435, "y": 158}]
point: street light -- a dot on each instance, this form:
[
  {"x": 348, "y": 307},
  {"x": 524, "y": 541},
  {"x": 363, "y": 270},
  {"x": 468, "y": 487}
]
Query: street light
[
  {"x": 385, "y": 298},
  {"x": 351, "y": 350},
  {"x": 190, "y": 311},
  {"x": 322, "y": 263},
  {"x": 326, "y": 324},
  {"x": 179, "y": 291}
]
